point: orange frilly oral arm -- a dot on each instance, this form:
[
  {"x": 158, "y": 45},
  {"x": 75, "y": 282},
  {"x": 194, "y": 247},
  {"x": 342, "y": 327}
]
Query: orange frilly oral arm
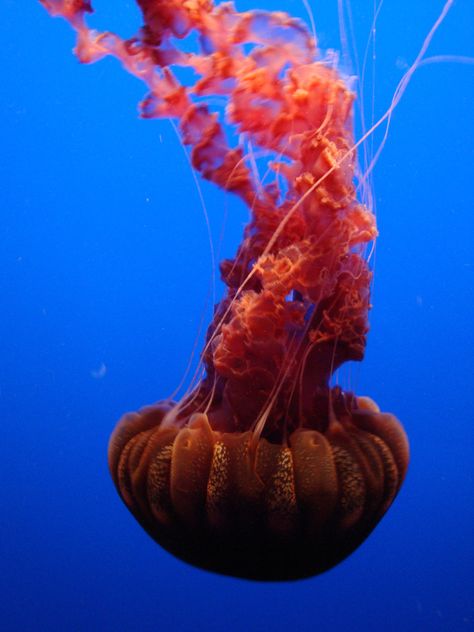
[{"x": 299, "y": 285}]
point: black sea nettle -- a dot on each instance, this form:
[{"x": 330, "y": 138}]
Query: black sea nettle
[{"x": 264, "y": 470}]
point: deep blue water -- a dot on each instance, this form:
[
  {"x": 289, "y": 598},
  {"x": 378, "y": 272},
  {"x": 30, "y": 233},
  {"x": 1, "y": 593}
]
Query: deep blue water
[{"x": 105, "y": 265}]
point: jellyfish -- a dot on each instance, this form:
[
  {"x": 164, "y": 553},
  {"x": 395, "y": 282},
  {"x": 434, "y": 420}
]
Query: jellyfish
[{"x": 266, "y": 469}]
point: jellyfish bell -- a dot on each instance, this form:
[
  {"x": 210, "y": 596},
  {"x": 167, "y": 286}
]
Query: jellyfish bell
[
  {"x": 265, "y": 509},
  {"x": 264, "y": 469}
]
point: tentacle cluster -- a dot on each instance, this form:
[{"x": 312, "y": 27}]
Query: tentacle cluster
[{"x": 299, "y": 284}]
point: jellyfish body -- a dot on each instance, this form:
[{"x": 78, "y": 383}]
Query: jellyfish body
[
  {"x": 264, "y": 511},
  {"x": 263, "y": 470}
]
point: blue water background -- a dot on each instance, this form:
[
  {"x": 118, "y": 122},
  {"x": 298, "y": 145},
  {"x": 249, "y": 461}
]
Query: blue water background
[{"x": 105, "y": 266}]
